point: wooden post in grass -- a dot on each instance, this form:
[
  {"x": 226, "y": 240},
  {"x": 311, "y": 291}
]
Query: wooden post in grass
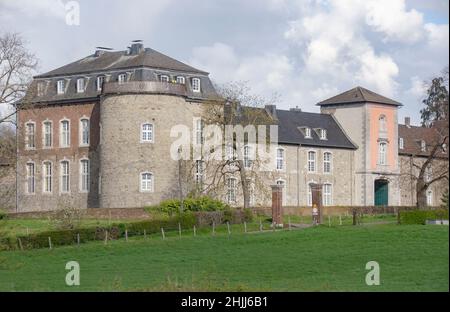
[
  {"x": 354, "y": 216},
  {"x": 329, "y": 221},
  {"x": 340, "y": 220},
  {"x": 28, "y": 232},
  {"x": 195, "y": 231},
  {"x": 49, "y": 242},
  {"x": 245, "y": 227},
  {"x": 162, "y": 233},
  {"x": 78, "y": 239},
  {"x": 260, "y": 225},
  {"x": 106, "y": 237},
  {"x": 228, "y": 228},
  {"x": 179, "y": 229},
  {"x": 20, "y": 243},
  {"x": 126, "y": 235},
  {"x": 289, "y": 221}
]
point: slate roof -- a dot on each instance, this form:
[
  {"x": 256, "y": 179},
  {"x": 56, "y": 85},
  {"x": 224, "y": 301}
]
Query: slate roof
[
  {"x": 289, "y": 133},
  {"x": 358, "y": 95},
  {"x": 120, "y": 60}
]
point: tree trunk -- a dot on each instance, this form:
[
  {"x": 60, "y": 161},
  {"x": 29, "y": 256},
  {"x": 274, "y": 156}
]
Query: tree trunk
[
  {"x": 244, "y": 183},
  {"x": 421, "y": 194}
]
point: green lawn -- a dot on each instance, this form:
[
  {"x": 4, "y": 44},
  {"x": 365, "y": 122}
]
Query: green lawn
[{"x": 411, "y": 258}]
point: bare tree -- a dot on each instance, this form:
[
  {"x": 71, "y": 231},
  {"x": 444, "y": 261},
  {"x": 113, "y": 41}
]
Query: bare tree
[
  {"x": 17, "y": 65},
  {"x": 7, "y": 167},
  {"x": 235, "y": 106}
]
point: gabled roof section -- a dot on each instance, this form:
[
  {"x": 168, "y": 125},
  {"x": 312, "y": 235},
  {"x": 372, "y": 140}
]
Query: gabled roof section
[
  {"x": 290, "y": 123},
  {"x": 358, "y": 95},
  {"x": 117, "y": 60}
]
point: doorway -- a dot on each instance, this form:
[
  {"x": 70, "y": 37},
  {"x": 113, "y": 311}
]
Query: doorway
[{"x": 381, "y": 192}]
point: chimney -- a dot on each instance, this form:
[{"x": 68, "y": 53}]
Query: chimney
[
  {"x": 100, "y": 51},
  {"x": 408, "y": 122},
  {"x": 296, "y": 109},
  {"x": 271, "y": 110},
  {"x": 136, "y": 47}
]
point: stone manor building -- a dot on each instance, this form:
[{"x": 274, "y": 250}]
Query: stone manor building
[{"x": 97, "y": 134}]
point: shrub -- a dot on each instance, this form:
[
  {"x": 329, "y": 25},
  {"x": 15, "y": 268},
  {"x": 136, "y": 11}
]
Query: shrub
[
  {"x": 421, "y": 216},
  {"x": 67, "y": 217},
  {"x": 444, "y": 200},
  {"x": 203, "y": 203},
  {"x": 3, "y": 215}
]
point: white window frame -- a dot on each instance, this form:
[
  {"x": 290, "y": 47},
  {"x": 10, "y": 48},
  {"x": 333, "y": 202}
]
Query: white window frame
[
  {"x": 199, "y": 139},
  {"x": 382, "y": 154},
  {"x": 62, "y": 175},
  {"x": 309, "y": 193},
  {"x": 150, "y": 132},
  {"x": 81, "y": 132},
  {"x": 327, "y": 198},
  {"x": 323, "y": 134},
  {"x": 330, "y": 162},
  {"x": 44, "y": 134},
  {"x": 430, "y": 199},
  {"x": 199, "y": 172},
  {"x": 280, "y": 160},
  {"x": 30, "y": 188},
  {"x": 99, "y": 82},
  {"x": 61, "y": 86},
  {"x": 248, "y": 159},
  {"x": 312, "y": 162},
  {"x": 40, "y": 88},
  {"x": 284, "y": 190},
  {"x": 85, "y": 177},
  {"x": 61, "y": 145},
  {"x": 47, "y": 179},
  {"x": 423, "y": 146},
  {"x": 181, "y": 80},
  {"x": 231, "y": 190},
  {"x": 122, "y": 78},
  {"x": 141, "y": 181},
  {"x": 428, "y": 174},
  {"x": 308, "y": 133},
  {"x": 164, "y": 78},
  {"x": 196, "y": 85},
  {"x": 28, "y": 135},
  {"x": 401, "y": 143},
  {"x": 81, "y": 85}
]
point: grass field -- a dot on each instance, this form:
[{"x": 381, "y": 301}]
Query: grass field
[{"x": 411, "y": 258}]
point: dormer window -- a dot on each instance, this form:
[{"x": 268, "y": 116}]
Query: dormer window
[
  {"x": 382, "y": 122},
  {"x": 401, "y": 144},
  {"x": 195, "y": 84},
  {"x": 122, "y": 78},
  {"x": 308, "y": 133},
  {"x": 60, "y": 86},
  {"x": 181, "y": 80},
  {"x": 323, "y": 134},
  {"x": 80, "y": 85},
  {"x": 99, "y": 82},
  {"x": 164, "y": 78},
  {"x": 423, "y": 146},
  {"x": 40, "y": 89},
  {"x": 444, "y": 148}
]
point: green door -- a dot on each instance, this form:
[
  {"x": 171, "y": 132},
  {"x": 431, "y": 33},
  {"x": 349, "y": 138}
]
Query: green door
[{"x": 381, "y": 193}]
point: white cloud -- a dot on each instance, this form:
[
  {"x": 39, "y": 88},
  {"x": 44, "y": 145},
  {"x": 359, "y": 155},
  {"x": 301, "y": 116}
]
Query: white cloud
[
  {"x": 33, "y": 8},
  {"x": 438, "y": 35},
  {"x": 418, "y": 88}
]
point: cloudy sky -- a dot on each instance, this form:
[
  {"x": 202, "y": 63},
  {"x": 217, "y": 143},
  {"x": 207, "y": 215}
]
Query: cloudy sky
[{"x": 301, "y": 50}]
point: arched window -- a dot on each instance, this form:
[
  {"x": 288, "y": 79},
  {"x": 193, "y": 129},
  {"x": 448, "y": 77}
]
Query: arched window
[
  {"x": 64, "y": 133},
  {"x": 248, "y": 159},
  {"x": 309, "y": 203},
  {"x": 30, "y": 187},
  {"x": 382, "y": 123},
  {"x": 231, "y": 190},
  {"x": 47, "y": 177},
  {"x": 311, "y": 161},
  {"x": 47, "y": 136},
  {"x": 429, "y": 197},
  {"x": 382, "y": 151},
  {"x": 327, "y": 196},
  {"x": 146, "y": 182},
  {"x": 84, "y": 175},
  {"x": 280, "y": 159},
  {"x": 30, "y": 135},
  {"x": 199, "y": 172},
  {"x": 64, "y": 177},
  {"x": 147, "y": 133},
  {"x": 84, "y": 132},
  {"x": 327, "y": 158}
]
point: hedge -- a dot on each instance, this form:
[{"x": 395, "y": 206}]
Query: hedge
[
  {"x": 421, "y": 216},
  {"x": 117, "y": 230}
]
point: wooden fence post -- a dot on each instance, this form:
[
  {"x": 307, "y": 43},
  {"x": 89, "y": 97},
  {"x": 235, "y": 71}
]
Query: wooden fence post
[
  {"x": 228, "y": 228},
  {"x": 245, "y": 227},
  {"x": 162, "y": 233},
  {"x": 289, "y": 222},
  {"x": 126, "y": 235},
  {"x": 78, "y": 239},
  {"x": 179, "y": 229},
  {"x": 106, "y": 237},
  {"x": 329, "y": 221},
  {"x": 354, "y": 216},
  {"x": 20, "y": 243},
  {"x": 260, "y": 225},
  {"x": 49, "y": 242},
  {"x": 195, "y": 231},
  {"x": 340, "y": 220}
]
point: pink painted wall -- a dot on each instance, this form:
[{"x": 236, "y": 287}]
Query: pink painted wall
[{"x": 375, "y": 111}]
